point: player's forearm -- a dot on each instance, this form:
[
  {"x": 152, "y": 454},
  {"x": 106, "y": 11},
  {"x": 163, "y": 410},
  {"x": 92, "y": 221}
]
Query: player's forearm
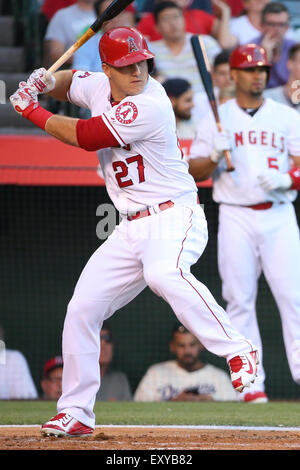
[
  {"x": 90, "y": 134},
  {"x": 201, "y": 168},
  {"x": 63, "y": 80},
  {"x": 63, "y": 128}
]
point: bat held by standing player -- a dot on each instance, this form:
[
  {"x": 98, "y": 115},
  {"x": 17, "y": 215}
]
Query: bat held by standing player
[{"x": 204, "y": 70}]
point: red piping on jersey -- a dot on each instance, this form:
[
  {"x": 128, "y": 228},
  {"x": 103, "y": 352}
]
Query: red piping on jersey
[
  {"x": 110, "y": 124},
  {"x": 177, "y": 266},
  {"x": 93, "y": 134}
]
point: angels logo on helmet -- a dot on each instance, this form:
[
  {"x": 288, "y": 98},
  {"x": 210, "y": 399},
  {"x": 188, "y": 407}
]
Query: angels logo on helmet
[
  {"x": 258, "y": 56},
  {"x": 132, "y": 47}
]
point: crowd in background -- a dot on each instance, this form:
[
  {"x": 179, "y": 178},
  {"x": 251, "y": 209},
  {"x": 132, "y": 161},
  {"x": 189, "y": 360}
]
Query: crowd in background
[
  {"x": 168, "y": 27},
  {"x": 186, "y": 377}
]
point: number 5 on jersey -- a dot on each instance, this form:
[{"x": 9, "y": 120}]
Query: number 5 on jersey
[
  {"x": 273, "y": 162},
  {"x": 121, "y": 170}
]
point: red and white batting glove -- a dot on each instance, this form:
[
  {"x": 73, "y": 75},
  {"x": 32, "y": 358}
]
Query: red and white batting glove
[
  {"x": 273, "y": 179},
  {"x": 41, "y": 81},
  {"x": 221, "y": 143},
  {"x": 25, "y": 102}
]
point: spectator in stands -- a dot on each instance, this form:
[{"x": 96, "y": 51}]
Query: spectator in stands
[
  {"x": 174, "y": 56},
  {"x": 87, "y": 57},
  {"x": 196, "y": 21},
  {"x": 248, "y": 25},
  {"x": 221, "y": 78},
  {"x": 204, "y": 24},
  {"x": 289, "y": 93},
  {"x": 65, "y": 27},
  {"x": 182, "y": 98},
  {"x": 114, "y": 384},
  {"x": 16, "y": 382},
  {"x": 51, "y": 382},
  {"x": 204, "y": 5},
  {"x": 275, "y": 24},
  {"x": 186, "y": 378},
  {"x": 236, "y": 6},
  {"x": 50, "y": 7}
]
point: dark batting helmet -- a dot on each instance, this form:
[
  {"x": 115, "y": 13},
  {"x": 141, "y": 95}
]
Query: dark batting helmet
[
  {"x": 249, "y": 56},
  {"x": 124, "y": 46}
]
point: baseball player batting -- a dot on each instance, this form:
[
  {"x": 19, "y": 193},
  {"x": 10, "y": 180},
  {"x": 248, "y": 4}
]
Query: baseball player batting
[
  {"x": 163, "y": 229},
  {"x": 258, "y": 230}
]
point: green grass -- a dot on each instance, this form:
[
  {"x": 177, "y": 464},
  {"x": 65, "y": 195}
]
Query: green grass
[{"x": 225, "y": 414}]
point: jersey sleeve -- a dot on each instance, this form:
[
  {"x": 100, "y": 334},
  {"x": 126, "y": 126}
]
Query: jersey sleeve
[
  {"x": 293, "y": 138},
  {"x": 83, "y": 88},
  {"x": 135, "y": 118}
]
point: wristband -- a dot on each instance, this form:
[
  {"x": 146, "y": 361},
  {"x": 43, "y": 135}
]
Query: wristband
[
  {"x": 295, "y": 175},
  {"x": 37, "y": 115}
]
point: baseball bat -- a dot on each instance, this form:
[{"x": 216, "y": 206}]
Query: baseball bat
[
  {"x": 204, "y": 70},
  {"x": 109, "y": 13}
]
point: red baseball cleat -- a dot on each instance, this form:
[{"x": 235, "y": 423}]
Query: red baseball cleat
[
  {"x": 243, "y": 370},
  {"x": 255, "y": 397},
  {"x": 63, "y": 425}
]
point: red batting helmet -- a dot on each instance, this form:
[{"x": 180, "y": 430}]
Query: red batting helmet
[
  {"x": 247, "y": 56},
  {"x": 124, "y": 46}
]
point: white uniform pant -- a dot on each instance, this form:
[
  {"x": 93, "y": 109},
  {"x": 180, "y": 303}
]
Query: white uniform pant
[
  {"x": 254, "y": 241},
  {"x": 157, "y": 251}
]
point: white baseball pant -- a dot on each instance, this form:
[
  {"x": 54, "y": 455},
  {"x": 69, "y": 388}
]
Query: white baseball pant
[
  {"x": 157, "y": 251},
  {"x": 251, "y": 242}
]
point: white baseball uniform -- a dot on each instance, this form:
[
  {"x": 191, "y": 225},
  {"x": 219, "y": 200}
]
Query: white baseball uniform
[
  {"x": 166, "y": 380},
  {"x": 251, "y": 241},
  {"x": 145, "y": 170}
]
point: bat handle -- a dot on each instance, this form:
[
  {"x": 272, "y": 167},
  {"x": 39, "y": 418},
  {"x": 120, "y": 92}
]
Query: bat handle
[
  {"x": 62, "y": 60},
  {"x": 227, "y": 154},
  {"x": 230, "y": 167}
]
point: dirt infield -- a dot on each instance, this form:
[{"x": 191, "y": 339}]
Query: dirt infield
[{"x": 109, "y": 438}]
